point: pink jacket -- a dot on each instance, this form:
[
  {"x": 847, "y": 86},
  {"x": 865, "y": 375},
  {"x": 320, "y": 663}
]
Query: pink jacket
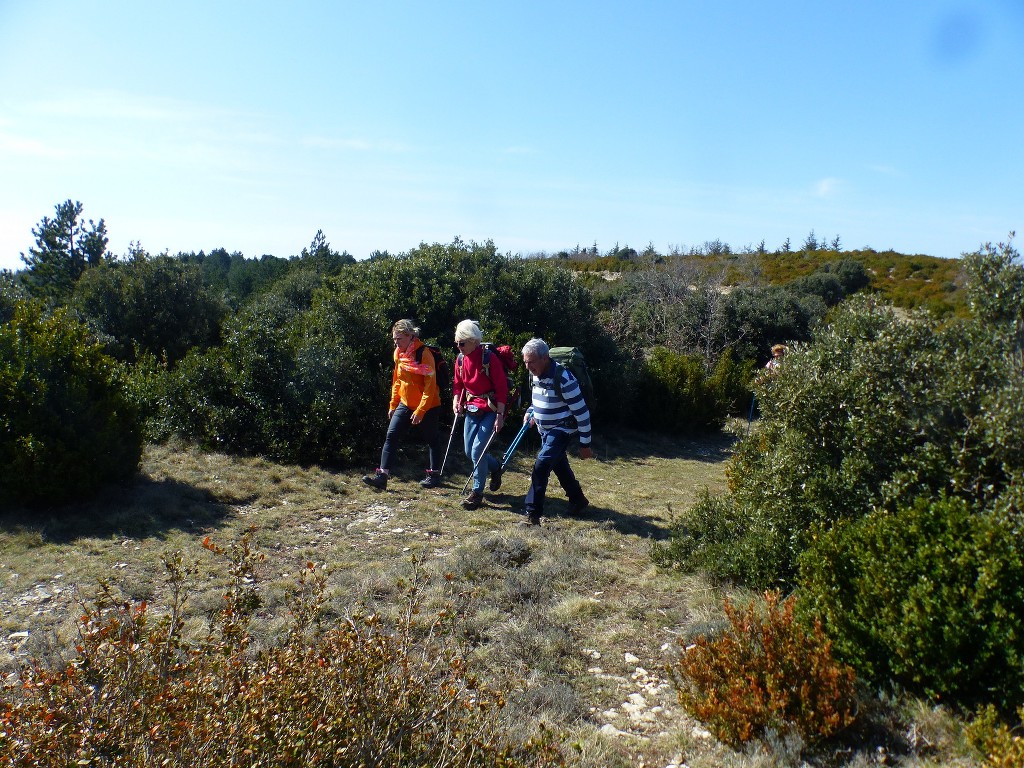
[{"x": 471, "y": 383}]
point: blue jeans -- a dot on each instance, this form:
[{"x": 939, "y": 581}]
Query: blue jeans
[
  {"x": 477, "y": 430},
  {"x": 552, "y": 458}
]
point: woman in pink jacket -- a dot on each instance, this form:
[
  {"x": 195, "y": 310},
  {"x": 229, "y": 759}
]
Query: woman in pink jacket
[{"x": 480, "y": 390}]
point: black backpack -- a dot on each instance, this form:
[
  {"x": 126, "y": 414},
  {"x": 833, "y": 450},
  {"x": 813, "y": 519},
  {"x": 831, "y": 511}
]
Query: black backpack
[{"x": 442, "y": 373}]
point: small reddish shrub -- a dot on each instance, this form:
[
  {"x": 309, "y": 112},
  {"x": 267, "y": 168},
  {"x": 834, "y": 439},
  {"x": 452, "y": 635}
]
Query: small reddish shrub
[{"x": 765, "y": 672}]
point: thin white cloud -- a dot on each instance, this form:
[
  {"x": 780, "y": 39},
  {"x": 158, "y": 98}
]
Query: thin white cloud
[
  {"x": 519, "y": 150},
  {"x": 121, "y": 105},
  {"x": 353, "y": 145},
  {"x": 827, "y": 187},
  {"x": 18, "y": 145}
]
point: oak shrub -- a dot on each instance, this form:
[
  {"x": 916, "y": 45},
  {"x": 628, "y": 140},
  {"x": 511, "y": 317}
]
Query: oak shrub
[
  {"x": 766, "y": 673},
  {"x": 66, "y": 423}
]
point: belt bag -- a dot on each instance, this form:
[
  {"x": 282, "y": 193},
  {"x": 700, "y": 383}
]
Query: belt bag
[{"x": 489, "y": 396}]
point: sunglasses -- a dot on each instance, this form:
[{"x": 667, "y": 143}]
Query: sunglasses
[{"x": 462, "y": 343}]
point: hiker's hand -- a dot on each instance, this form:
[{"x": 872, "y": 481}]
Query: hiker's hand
[
  {"x": 391, "y": 413},
  {"x": 499, "y": 422},
  {"x": 456, "y": 407},
  {"x": 416, "y": 418},
  {"x": 585, "y": 452}
]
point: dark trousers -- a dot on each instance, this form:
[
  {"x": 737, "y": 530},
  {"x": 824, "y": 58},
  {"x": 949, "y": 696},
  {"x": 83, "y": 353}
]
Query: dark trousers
[
  {"x": 399, "y": 426},
  {"x": 552, "y": 458}
]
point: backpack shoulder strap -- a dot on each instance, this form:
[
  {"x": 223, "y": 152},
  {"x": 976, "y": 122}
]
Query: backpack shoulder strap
[
  {"x": 487, "y": 361},
  {"x": 557, "y": 379},
  {"x": 460, "y": 370}
]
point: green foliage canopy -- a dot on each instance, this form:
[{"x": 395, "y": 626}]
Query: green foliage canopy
[
  {"x": 157, "y": 305},
  {"x": 66, "y": 426}
]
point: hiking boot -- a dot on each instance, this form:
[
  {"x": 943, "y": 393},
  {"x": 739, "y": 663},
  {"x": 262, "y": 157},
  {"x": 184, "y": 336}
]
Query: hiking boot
[
  {"x": 578, "y": 508},
  {"x": 532, "y": 518},
  {"x": 432, "y": 480},
  {"x": 495, "y": 484},
  {"x": 473, "y": 500},
  {"x": 379, "y": 479}
]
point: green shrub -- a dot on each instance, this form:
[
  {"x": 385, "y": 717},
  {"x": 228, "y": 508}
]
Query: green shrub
[
  {"x": 877, "y": 411},
  {"x": 928, "y": 596},
  {"x": 718, "y": 538},
  {"x": 156, "y": 305},
  {"x": 291, "y": 384},
  {"x": 10, "y": 294},
  {"x": 142, "y": 692},
  {"x": 764, "y": 673},
  {"x": 1001, "y": 744},
  {"x": 730, "y": 381},
  {"x": 514, "y": 299},
  {"x": 675, "y": 393},
  {"x": 758, "y": 316},
  {"x": 66, "y": 424}
]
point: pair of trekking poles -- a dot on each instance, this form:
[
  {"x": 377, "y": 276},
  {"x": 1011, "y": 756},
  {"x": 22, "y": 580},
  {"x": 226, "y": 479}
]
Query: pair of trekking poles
[{"x": 504, "y": 457}]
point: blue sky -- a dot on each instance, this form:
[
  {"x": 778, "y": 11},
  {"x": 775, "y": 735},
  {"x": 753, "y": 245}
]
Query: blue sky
[{"x": 194, "y": 125}]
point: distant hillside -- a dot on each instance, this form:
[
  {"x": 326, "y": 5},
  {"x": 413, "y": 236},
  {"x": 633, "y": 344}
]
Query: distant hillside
[{"x": 907, "y": 281}]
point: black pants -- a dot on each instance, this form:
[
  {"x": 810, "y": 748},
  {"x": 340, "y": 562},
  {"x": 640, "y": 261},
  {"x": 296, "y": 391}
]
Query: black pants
[{"x": 401, "y": 423}]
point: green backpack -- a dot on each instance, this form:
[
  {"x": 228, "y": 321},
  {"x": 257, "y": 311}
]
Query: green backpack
[{"x": 572, "y": 359}]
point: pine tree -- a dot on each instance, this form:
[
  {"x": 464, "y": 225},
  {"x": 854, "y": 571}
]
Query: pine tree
[{"x": 65, "y": 248}]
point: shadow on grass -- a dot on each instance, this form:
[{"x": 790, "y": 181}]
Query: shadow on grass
[
  {"x": 145, "y": 508},
  {"x": 626, "y": 445},
  {"x": 628, "y": 524},
  {"x": 556, "y": 512}
]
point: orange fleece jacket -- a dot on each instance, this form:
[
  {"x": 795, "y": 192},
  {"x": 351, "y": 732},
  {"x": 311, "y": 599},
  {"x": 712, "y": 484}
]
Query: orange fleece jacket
[{"x": 414, "y": 384}]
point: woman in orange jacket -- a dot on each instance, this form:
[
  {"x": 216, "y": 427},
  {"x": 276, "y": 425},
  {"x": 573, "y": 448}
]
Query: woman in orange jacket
[{"x": 414, "y": 403}]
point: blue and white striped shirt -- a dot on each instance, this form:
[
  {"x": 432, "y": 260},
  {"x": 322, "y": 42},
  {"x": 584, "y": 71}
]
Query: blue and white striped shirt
[{"x": 568, "y": 413}]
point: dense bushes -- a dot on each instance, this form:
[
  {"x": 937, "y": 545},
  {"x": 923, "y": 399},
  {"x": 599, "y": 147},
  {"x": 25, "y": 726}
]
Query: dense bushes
[
  {"x": 674, "y": 392},
  {"x": 293, "y": 385},
  {"x": 10, "y": 294},
  {"x": 66, "y": 426},
  {"x": 928, "y": 596},
  {"x": 878, "y": 411},
  {"x": 758, "y": 317},
  {"x": 156, "y": 305},
  {"x": 883, "y": 484},
  {"x": 303, "y": 371}
]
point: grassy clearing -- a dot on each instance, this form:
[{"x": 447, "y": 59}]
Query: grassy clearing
[{"x": 575, "y": 611}]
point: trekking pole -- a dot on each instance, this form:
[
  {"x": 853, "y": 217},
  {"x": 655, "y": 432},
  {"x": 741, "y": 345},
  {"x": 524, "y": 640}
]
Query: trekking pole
[
  {"x": 515, "y": 444},
  {"x": 455, "y": 421},
  {"x": 482, "y": 454}
]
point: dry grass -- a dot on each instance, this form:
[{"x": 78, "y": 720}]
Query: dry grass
[{"x": 575, "y": 610}]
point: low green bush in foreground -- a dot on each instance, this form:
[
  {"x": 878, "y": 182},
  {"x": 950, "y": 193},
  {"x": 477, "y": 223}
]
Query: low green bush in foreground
[
  {"x": 363, "y": 692},
  {"x": 929, "y": 596}
]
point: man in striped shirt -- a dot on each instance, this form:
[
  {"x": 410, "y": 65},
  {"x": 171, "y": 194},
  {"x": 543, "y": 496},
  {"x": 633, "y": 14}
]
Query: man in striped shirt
[{"x": 560, "y": 413}]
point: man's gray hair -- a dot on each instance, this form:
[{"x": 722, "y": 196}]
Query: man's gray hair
[{"x": 537, "y": 347}]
